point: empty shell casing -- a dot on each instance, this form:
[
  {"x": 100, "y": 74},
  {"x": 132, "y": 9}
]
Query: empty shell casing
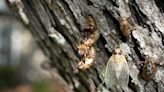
[{"x": 125, "y": 27}]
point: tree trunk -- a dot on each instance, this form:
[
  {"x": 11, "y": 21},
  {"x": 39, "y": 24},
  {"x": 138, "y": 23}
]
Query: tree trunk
[{"x": 56, "y": 26}]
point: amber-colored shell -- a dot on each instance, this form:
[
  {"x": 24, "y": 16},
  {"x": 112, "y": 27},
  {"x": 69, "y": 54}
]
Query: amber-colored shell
[
  {"x": 86, "y": 52},
  {"x": 90, "y": 33},
  {"x": 148, "y": 70},
  {"x": 90, "y": 24},
  {"x": 83, "y": 50},
  {"x": 89, "y": 42},
  {"x": 125, "y": 27},
  {"x": 87, "y": 61}
]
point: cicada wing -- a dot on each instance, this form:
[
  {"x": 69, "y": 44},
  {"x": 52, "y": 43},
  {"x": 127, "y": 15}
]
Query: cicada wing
[
  {"x": 110, "y": 76},
  {"x": 124, "y": 75}
]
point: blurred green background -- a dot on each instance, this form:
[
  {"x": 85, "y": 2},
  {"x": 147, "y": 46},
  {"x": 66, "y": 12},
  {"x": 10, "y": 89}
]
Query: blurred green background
[{"x": 20, "y": 57}]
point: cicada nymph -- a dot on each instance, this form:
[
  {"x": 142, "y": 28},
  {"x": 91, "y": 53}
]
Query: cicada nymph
[
  {"x": 88, "y": 59},
  {"x": 86, "y": 51},
  {"x": 90, "y": 33},
  {"x": 149, "y": 69},
  {"x": 117, "y": 71},
  {"x": 125, "y": 27},
  {"x": 90, "y": 24}
]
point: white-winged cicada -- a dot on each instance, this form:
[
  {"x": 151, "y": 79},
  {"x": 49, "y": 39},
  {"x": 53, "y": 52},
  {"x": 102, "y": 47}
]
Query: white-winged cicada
[{"x": 117, "y": 71}]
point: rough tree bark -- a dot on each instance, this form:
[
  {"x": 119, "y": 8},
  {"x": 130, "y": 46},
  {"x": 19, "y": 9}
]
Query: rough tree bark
[{"x": 56, "y": 25}]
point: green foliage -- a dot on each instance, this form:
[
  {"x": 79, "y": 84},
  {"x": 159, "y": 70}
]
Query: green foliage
[
  {"x": 9, "y": 76},
  {"x": 40, "y": 86}
]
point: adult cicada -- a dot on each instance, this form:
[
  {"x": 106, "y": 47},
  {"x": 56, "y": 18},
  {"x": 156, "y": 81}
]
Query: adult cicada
[{"x": 117, "y": 71}]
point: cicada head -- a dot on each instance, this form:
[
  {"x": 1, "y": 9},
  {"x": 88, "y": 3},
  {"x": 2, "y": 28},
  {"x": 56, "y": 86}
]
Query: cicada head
[
  {"x": 90, "y": 24},
  {"x": 117, "y": 53},
  {"x": 149, "y": 69},
  {"x": 123, "y": 19}
]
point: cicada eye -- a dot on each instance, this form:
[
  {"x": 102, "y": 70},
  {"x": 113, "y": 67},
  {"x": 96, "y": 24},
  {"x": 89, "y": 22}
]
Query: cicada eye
[
  {"x": 114, "y": 53},
  {"x": 119, "y": 53}
]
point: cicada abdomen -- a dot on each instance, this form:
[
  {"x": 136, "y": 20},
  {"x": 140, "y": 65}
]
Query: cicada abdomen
[
  {"x": 88, "y": 60},
  {"x": 117, "y": 71}
]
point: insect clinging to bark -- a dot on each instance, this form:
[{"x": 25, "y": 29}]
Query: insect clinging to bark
[
  {"x": 149, "y": 69},
  {"x": 125, "y": 27},
  {"x": 86, "y": 51},
  {"x": 90, "y": 32},
  {"x": 88, "y": 59},
  {"x": 117, "y": 71},
  {"x": 90, "y": 24}
]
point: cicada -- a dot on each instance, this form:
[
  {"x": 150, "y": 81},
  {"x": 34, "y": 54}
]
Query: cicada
[
  {"x": 117, "y": 71},
  {"x": 90, "y": 31},
  {"x": 86, "y": 51},
  {"x": 90, "y": 24},
  {"x": 125, "y": 27},
  {"x": 88, "y": 60},
  {"x": 149, "y": 69}
]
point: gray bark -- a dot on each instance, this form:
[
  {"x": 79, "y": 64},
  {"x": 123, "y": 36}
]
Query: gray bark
[{"x": 56, "y": 26}]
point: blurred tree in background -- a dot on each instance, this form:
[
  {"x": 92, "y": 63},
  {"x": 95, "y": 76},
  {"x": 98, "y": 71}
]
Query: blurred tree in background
[{"x": 20, "y": 69}]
